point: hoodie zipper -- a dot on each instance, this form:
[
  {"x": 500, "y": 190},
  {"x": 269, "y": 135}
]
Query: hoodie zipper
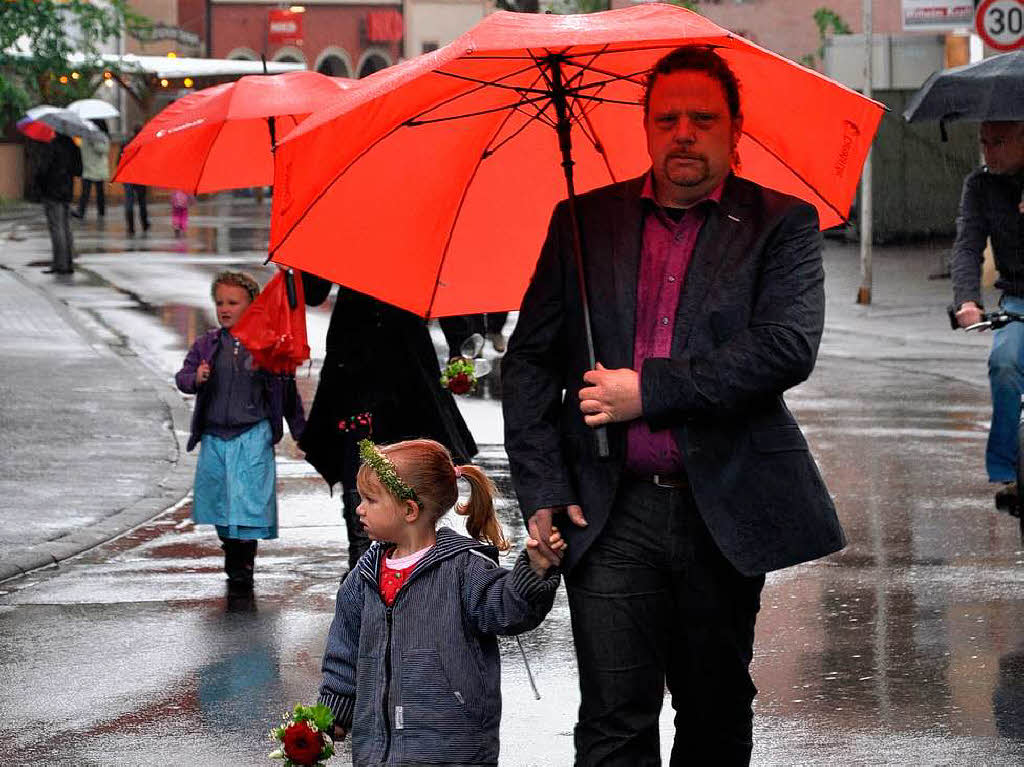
[{"x": 387, "y": 684}]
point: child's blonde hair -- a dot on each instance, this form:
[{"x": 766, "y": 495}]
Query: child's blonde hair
[
  {"x": 242, "y": 280},
  {"x": 426, "y": 466}
]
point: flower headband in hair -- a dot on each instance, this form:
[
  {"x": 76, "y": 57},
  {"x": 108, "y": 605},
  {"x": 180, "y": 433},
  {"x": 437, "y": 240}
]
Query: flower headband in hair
[{"x": 385, "y": 471}]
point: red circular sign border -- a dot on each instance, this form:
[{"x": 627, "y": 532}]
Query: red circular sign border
[{"x": 979, "y": 14}]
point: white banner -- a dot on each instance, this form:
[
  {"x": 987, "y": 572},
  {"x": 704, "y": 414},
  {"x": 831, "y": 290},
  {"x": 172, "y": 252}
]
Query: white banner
[{"x": 937, "y": 15}]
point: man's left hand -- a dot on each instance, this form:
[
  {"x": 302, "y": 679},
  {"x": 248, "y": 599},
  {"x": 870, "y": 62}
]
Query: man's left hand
[{"x": 612, "y": 397}]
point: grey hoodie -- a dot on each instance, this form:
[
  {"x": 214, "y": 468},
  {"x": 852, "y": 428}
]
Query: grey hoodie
[{"x": 420, "y": 682}]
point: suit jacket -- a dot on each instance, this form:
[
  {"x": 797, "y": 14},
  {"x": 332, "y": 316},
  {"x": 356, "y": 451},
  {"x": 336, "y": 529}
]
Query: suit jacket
[{"x": 747, "y": 328}]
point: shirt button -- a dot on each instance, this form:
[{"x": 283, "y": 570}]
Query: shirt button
[
  {"x": 671, "y": 278},
  {"x": 664, "y": 320}
]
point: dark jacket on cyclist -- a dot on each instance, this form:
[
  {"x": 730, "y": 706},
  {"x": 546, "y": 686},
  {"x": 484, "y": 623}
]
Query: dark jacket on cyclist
[{"x": 988, "y": 208}]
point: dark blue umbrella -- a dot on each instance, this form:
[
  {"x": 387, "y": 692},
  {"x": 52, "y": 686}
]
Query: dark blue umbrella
[{"x": 992, "y": 89}]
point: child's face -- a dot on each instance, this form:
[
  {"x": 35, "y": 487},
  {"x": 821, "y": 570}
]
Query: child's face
[
  {"x": 231, "y": 302},
  {"x": 382, "y": 515}
]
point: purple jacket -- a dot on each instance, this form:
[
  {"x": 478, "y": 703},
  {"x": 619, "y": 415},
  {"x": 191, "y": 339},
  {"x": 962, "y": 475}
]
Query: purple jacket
[{"x": 283, "y": 400}]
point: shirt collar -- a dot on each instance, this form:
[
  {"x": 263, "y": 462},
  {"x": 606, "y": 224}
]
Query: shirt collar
[{"x": 648, "y": 192}]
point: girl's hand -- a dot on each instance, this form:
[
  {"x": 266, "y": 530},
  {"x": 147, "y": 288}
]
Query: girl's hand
[
  {"x": 538, "y": 562},
  {"x": 202, "y": 373},
  {"x": 339, "y": 733}
]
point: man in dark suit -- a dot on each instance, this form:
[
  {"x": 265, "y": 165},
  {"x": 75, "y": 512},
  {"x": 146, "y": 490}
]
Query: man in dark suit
[{"x": 707, "y": 303}]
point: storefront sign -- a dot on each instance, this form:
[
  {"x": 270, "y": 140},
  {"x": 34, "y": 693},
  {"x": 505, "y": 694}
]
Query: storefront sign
[
  {"x": 284, "y": 27},
  {"x": 937, "y": 15},
  {"x": 384, "y": 26}
]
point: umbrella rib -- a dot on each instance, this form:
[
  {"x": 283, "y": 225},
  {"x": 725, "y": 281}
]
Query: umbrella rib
[
  {"x": 415, "y": 121},
  {"x": 482, "y": 84},
  {"x": 206, "y": 159},
  {"x": 516, "y": 108},
  {"x": 490, "y": 83},
  {"x": 796, "y": 173}
]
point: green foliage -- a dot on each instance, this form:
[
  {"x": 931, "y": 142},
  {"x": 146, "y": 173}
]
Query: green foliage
[
  {"x": 593, "y": 6},
  {"x": 827, "y": 21},
  {"x": 37, "y": 40}
]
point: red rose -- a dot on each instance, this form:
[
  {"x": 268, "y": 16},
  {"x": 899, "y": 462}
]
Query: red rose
[
  {"x": 302, "y": 744},
  {"x": 460, "y": 383}
]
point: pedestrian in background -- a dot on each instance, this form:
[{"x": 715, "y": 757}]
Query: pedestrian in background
[
  {"x": 709, "y": 484},
  {"x": 53, "y": 167},
  {"x": 179, "y": 211},
  {"x": 135, "y": 194},
  {"x": 380, "y": 379},
  {"x": 426, "y": 610},
  {"x": 237, "y": 420},
  {"x": 95, "y": 170},
  {"x": 991, "y": 207},
  {"x": 459, "y": 328}
]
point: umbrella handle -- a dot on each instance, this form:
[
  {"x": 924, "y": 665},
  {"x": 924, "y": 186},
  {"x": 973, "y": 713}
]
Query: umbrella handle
[{"x": 289, "y": 287}]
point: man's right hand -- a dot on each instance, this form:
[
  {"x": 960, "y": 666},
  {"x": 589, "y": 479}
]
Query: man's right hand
[
  {"x": 540, "y": 528},
  {"x": 969, "y": 313}
]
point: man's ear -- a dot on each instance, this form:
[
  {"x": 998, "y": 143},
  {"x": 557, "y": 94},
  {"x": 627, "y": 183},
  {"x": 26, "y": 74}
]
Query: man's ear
[{"x": 412, "y": 511}]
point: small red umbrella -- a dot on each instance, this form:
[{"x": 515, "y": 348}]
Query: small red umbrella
[
  {"x": 223, "y": 137},
  {"x": 273, "y": 328}
]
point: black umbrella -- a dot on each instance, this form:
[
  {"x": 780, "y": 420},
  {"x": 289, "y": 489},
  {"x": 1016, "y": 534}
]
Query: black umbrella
[{"x": 992, "y": 89}]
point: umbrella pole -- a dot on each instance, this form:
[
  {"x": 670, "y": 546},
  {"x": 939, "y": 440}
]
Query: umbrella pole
[{"x": 564, "y": 128}]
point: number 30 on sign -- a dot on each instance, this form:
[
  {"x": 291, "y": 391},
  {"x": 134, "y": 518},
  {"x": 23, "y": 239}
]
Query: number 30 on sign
[{"x": 1001, "y": 23}]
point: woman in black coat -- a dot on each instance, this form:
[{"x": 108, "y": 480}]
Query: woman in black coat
[{"x": 380, "y": 379}]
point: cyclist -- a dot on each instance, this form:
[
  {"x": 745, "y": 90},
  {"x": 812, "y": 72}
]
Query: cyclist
[{"x": 991, "y": 207}]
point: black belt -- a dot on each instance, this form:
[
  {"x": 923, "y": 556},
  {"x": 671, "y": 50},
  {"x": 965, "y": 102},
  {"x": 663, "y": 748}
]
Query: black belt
[{"x": 675, "y": 480}]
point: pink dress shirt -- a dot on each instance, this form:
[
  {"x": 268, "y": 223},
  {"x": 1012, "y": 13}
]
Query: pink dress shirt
[{"x": 665, "y": 255}]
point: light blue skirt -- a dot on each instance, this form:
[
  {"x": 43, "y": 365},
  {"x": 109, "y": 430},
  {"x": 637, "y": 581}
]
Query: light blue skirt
[{"x": 235, "y": 487}]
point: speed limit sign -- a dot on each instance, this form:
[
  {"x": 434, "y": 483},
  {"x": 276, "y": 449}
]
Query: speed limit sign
[{"x": 1000, "y": 23}]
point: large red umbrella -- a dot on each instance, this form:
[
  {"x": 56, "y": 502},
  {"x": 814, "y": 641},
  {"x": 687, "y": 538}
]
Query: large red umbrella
[
  {"x": 222, "y": 137},
  {"x": 431, "y": 186}
]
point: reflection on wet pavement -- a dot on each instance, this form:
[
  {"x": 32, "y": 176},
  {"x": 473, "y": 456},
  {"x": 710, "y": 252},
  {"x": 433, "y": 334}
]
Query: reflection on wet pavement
[{"x": 905, "y": 648}]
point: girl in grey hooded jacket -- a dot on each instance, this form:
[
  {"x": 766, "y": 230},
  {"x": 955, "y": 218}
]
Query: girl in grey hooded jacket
[{"x": 412, "y": 667}]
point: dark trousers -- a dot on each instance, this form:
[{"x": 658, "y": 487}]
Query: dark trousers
[
  {"x": 135, "y": 193},
  {"x": 654, "y": 602},
  {"x": 358, "y": 540},
  {"x": 101, "y": 198},
  {"x": 460, "y": 327},
  {"x": 59, "y": 223}
]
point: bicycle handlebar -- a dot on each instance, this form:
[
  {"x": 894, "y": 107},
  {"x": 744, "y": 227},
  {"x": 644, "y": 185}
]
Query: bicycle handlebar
[{"x": 989, "y": 320}]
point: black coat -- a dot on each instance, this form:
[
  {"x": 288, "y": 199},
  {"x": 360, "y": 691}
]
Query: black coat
[
  {"x": 747, "y": 328},
  {"x": 380, "y": 360},
  {"x": 52, "y": 168}
]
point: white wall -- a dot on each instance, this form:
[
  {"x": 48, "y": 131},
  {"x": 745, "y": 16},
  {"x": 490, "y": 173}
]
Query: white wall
[{"x": 440, "y": 21}]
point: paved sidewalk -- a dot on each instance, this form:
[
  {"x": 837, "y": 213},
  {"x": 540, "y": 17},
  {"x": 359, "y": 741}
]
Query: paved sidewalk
[
  {"x": 93, "y": 439},
  {"x": 88, "y": 446}
]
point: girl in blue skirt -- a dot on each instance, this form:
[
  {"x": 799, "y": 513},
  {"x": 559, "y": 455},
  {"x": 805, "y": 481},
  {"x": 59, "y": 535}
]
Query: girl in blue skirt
[{"x": 237, "y": 419}]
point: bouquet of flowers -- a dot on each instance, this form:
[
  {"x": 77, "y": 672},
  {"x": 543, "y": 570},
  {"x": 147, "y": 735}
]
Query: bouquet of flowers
[
  {"x": 305, "y": 737},
  {"x": 459, "y": 376}
]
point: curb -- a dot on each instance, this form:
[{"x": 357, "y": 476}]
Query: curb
[{"x": 172, "y": 488}]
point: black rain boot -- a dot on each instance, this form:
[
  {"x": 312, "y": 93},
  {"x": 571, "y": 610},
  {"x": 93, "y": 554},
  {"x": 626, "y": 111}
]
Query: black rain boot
[
  {"x": 239, "y": 559},
  {"x": 358, "y": 541}
]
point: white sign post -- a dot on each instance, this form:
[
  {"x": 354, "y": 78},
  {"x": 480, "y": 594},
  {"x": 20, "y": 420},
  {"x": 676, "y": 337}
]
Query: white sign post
[{"x": 1000, "y": 23}]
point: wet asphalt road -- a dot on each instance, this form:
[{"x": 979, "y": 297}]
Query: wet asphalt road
[{"x": 906, "y": 648}]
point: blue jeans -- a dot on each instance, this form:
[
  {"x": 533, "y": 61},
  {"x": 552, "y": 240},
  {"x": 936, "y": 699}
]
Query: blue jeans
[{"x": 1006, "y": 376}]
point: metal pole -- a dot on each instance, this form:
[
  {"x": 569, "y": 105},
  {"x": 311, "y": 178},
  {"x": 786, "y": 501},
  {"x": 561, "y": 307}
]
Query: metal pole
[{"x": 866, "y": 212}]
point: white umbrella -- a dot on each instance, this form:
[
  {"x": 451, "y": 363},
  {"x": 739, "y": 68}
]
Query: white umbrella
[
  {"x": 94, "y": 109},
  {"x": 64, "y": 121}
]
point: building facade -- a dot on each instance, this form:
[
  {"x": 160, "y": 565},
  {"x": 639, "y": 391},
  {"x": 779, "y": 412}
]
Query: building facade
[{"x": 337, "y": 38}]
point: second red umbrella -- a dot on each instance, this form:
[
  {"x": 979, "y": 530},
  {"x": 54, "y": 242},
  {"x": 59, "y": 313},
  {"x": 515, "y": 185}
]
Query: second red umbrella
[{"x": 220, "y": 138}]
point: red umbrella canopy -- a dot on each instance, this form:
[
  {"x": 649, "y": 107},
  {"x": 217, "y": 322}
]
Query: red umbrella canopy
[
  {"x": 219, "y": 137},
  {"x": 432, "y": 186},
  {"x": 273, "y": 328}
]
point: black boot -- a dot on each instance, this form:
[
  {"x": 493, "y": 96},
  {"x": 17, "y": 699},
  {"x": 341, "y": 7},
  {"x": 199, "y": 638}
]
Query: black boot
[
  {"x": 358, "y": 541},
  {"x": 239, "y": 562}
]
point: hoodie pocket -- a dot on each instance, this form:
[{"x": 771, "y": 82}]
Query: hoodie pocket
[{"x": 428, "y": 699}]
